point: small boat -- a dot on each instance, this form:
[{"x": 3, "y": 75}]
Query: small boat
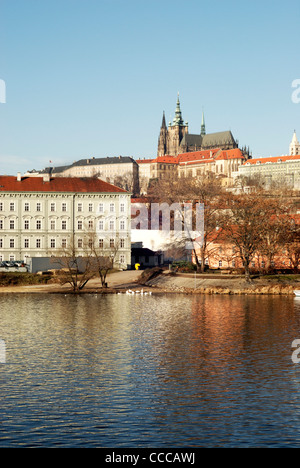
[{"x": 297, "y": 293}]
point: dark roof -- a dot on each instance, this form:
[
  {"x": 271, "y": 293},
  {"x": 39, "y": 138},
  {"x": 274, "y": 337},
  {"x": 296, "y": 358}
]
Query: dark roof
[
  {"x": 211, "y": 140},
  {"x": 191, "y": 140},
  {"x": 218, "y": 139},
  {"x": 102, "y": 161},
  {"x": 58, "y": 184},
  {"x": 142, "y": 251}
]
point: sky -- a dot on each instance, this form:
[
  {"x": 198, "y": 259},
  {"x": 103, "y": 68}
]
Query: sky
[{"x": 91, "y": 78}]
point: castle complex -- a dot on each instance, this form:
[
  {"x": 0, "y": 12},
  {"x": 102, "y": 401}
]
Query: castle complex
[{"x": 176, "y": 139}]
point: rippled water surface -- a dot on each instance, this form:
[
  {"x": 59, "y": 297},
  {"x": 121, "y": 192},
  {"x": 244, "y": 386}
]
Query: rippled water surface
[{"x": 159, "y": 371}]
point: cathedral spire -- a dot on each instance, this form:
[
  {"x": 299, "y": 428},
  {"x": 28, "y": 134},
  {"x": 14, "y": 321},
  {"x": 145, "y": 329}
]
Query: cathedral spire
[
  {"x": 178, "y": 120},
  {"x": 203, "y": 129},
  {"x": 164, "y": 125}
]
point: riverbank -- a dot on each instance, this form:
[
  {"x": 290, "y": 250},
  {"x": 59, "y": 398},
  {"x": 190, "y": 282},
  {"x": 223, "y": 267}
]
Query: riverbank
[
  {"x": 165, "y": 282},
  {"x": 224, "y": 284}
]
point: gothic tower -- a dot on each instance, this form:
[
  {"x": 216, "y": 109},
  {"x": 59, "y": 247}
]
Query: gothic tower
[
  {"x": 171, "y": 137},
  {"x": 163, "y": 138}
]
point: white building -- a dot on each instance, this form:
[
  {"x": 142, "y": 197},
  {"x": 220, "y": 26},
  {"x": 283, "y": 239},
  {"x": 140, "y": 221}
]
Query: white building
[
  {"x": 41, "y": 216},
  {"x": 122, "y": 171}
]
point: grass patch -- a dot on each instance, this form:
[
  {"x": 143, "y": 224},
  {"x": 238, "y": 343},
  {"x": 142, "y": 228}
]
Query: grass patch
[
  {"x": 282, "y": 278},
  {"x": 22, "y": 279}
]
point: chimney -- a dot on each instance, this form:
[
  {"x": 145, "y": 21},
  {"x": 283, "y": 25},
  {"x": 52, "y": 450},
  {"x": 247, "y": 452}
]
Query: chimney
[
  {"x": 46, "y": 177},
  {"x": 19, "y": 177}
]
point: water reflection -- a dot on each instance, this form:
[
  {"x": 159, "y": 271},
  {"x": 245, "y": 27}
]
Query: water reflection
[{"x": 175, "y": 371}]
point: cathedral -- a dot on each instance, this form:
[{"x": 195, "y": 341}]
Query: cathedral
[{"x": 176, "y": 139}]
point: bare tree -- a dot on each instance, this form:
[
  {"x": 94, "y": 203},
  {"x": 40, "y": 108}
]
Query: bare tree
[
  {"x": 75, "y": 270},
  {"x": 248, "y": 226},
  {"x": 204, "y": 190},
  {"x": 103, "y": 258}
]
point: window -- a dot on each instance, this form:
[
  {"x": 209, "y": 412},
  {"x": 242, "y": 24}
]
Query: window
[
  {"x": 12, "y": 258},
  {"x": 79, "y": 225},
  {"x": 111, "y": 243},
  {"x": 26, "y": 243},
  {"x": 12, "y": 243},
  {"x": 64, "y": 225},
  {"x": 38, "y": 243},
  {"x": 79, "y": 207},
  {"x": 64, "y": 243},
  {"x": 26, "y": 224},
  {"x": 52, "y": 207},
  {"x": 80, "y": 243},
  {"x": 101, "y": 243},
  {"x": 1, "y": 223},
  {"x": 122, "y": 258},
  {"x": 91, "y": 207},
  {"x": 122, "y": 243},
  {"x": 220, "y": 263},
  {"x": 1, "y": 243},
  {"x": 38, "y": 207},
  {"x": 122, "y": 208},
  {"x": 12, "y": 207},
  {"x": 112, "y": 208},
  {"x": 91, "y": 224},
  {"x": 11, "y": 224},
  {"x": 91, "y": 243},
  {"x": 52, "y": 243},
  {"x": 101, "y": 225},
  {"x": 1, "y": 206},
  {"x": 122, "y": 225},
  {"x": 52, "y": 225},
  {"x": 26, "y": 207},
  {"x": 111, "y": 225},
  {"x": 39, "y": 224},
  {"x": 101, "y": 208},
  {"x": 64, "y": 207}
]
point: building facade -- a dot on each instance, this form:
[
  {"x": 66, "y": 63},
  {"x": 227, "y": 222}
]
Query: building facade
[
  {"x": 43, "y": 216},
  {"x": 283, "y": 170}
]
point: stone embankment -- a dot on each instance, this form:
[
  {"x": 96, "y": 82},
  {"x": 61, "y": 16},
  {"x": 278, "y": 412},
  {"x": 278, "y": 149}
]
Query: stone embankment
[{"x": 210, "y": 284}]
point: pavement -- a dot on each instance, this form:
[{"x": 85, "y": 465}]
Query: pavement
[{"x": 116, "y": 280}]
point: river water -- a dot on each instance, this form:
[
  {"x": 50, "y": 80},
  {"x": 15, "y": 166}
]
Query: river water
[{"x": 152, "y": 371}]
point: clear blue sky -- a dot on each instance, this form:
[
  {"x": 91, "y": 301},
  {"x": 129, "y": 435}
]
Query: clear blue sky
[{"x": 93, "y": 77}]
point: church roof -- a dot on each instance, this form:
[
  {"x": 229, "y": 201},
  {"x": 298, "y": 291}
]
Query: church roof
[{"x": 218, "y": 139}]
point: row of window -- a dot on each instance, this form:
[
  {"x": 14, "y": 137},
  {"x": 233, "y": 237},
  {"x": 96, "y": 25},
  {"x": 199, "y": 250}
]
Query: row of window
[
  {"x": 53, "y": 224},
  {"x": 64, "y": 207},
  {"x": 64, "y": 243}
]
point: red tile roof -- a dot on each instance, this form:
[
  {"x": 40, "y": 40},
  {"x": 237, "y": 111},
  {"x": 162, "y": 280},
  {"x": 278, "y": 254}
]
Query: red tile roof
[
  {"x": 207, "y": 156},
  {"x": 273, "y": 159},
  {"x": 166, "y": 159},
  {"x": 57, "y": 184},
  {"x": 144, "y": 161}
]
